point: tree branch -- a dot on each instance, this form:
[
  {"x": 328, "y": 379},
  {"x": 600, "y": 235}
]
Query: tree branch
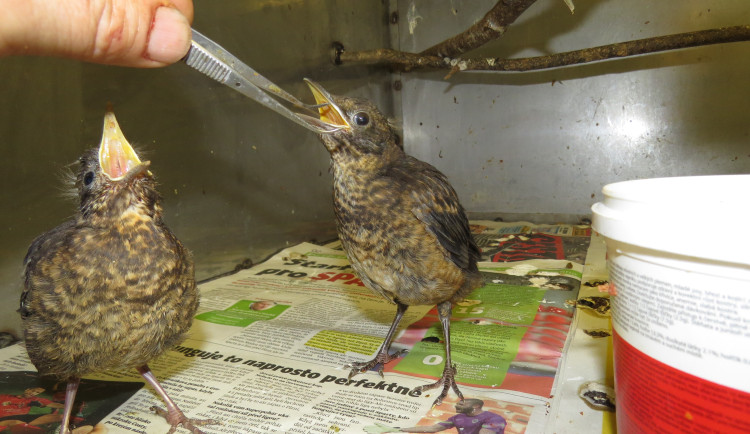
[
  {"x": 409, "y": 61},
  {"x": 492, "y": 26}
]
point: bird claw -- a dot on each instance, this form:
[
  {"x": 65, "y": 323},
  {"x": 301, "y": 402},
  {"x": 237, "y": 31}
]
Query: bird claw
[
  {"x": 360, "y": 367},
  {"x": 178, "y": 418},
  {"x": 380, "y": 359},
  {"x": 399, "y": 353},
  {"x": 447, "y": 381}
]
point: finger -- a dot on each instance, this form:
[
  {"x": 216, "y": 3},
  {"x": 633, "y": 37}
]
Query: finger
[
  {"x": 142, "y": 33},
  {"x": 185, "y": 7}
]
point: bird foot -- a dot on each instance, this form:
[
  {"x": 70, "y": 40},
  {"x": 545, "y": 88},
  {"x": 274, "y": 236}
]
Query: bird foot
[
  {"x": 380, "y": 359},
  {"x": 175, "y": 418},
  {"x": 447, "y": 381}
]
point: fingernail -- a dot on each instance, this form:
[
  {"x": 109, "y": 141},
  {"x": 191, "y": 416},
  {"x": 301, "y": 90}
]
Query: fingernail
[{"x": 169, "y": 39}]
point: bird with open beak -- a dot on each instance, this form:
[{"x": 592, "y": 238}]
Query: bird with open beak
[
  {"x": 399, "y": 221},
  {"x": 112, "y": 287}
]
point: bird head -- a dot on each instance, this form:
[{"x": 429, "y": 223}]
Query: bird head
[
  {"x": 112, "y": 178},
  {"x": 358, "y": 131}
]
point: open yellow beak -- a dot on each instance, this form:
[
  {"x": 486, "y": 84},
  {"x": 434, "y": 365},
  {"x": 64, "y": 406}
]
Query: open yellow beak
[
  {"x": 116, "y": 156},
  {"x": 329, "y": 113}
]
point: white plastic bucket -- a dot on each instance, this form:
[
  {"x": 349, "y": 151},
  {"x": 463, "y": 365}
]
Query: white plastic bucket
[{"x": 678, "y": 251}]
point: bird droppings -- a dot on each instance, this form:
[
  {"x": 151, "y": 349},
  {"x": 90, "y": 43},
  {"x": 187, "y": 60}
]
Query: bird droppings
[
  {"x": 598, "y": 333},
  {"x": 295, "y": 255},
  {"x": 413, "y": 17},
  {"x": 597, "y": 305},
  {"x": 520, "y": 269},
  {"x": 595, "y": 283},
  {"x": 598, "y": 396}
]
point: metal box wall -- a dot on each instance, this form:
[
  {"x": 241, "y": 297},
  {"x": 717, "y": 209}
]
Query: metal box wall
[
  {"x": 238, "y": 180},
  {"x": 547, "y": 141},
  {"x": 242, "y": 182}
]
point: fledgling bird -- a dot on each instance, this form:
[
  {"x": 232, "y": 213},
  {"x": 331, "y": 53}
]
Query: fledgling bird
[
  {"x": 399, "y": 221},
  {"x": 112, "y": 287}
]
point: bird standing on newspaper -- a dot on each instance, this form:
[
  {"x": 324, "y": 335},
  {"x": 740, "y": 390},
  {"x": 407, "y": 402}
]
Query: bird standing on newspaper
[
  {"x": 399, "y": 221},
  {"x": 112, "y": 287}
]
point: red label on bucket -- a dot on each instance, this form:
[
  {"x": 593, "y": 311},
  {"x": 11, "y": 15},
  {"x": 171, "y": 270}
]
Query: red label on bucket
[{"x": 655, "y": 397}]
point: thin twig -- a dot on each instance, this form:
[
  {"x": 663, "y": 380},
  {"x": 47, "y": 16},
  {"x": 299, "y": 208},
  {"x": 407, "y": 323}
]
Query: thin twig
[
  {"x": 492, "y": 26},
  {"x": 623, "y": 49},
  {"x": 408, "y": 61},
  {"x": 395, "y": 58}
]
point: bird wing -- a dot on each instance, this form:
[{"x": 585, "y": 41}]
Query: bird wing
[
  {"x": 435, "y": 203},
  {"x": 33, "y": 255}
]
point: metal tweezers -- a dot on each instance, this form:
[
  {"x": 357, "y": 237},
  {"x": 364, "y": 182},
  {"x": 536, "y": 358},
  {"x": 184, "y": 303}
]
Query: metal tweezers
[{"x": 211, "y": 59}]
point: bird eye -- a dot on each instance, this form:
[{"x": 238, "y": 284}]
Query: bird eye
[
  {"x": 361, "y": 119},
  {"x": 88, "y": 178}
]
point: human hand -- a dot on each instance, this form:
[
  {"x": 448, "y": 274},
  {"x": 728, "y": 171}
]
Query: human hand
[{"x": 138, "y": 33}]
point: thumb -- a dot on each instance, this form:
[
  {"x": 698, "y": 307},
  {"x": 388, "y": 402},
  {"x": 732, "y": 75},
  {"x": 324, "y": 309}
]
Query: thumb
[{"x": 140, "y": 33}]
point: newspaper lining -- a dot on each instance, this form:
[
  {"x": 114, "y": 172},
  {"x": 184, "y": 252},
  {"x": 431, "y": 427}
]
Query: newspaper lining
[{"x": 268, "y": 344}]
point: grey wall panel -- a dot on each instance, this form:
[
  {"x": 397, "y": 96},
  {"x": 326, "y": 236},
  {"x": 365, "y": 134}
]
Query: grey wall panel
[
  {"x": 546, "y": 142},
  {"x": 238, "y": 180}
]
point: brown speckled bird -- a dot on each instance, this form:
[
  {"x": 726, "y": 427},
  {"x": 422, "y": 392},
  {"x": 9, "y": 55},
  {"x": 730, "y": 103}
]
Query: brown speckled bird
[
  {"x": 399, "y": 220},
  {"x": 111, "y": 288}
]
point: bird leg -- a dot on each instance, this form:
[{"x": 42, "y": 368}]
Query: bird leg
[
  {"x": 70, "y": 397},
  {"x": 382, "y": 357},
  {"x": 448, "y": 380},
  {"x": 172, "y": 414}
]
